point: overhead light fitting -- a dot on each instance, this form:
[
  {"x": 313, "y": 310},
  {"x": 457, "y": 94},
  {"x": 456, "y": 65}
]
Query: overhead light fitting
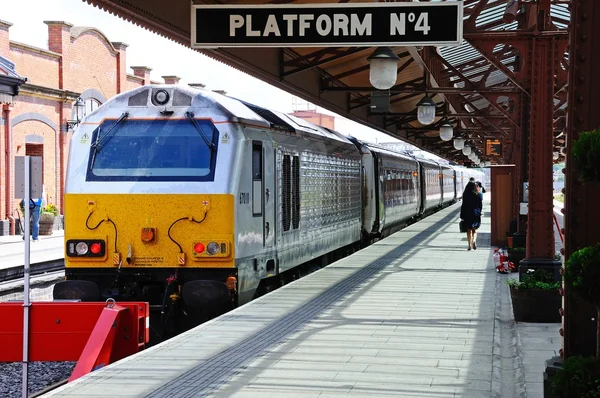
[
  {"x": 446, "y": 131},
  {"x": 426, "y": 111},
  {"x": 459, "y": 143},
  {"x": 383, "y": 65},
  {"x": 466, "y": 150}
]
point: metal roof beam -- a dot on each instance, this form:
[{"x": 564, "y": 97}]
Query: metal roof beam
[{"x": 317, "y": 59}]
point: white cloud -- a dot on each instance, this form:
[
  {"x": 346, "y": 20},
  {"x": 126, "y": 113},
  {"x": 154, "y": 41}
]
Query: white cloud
[{"x": 165, "y": 57}]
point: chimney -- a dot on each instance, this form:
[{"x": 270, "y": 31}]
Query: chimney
[
  {"x": 4, "y": 38},
  {"x": 197, "y": 85},
  {"x": 59, "y": 35},
  {"x": 121, "y": 65},
  {"x": 143, "y": 72},
  {"x": 222, "y": 92},
  {"x": 171, "y": 79}
]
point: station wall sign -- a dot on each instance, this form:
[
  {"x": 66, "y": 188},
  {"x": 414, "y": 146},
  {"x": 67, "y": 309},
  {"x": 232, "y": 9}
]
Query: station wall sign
[{"x": 327, "y": 25}]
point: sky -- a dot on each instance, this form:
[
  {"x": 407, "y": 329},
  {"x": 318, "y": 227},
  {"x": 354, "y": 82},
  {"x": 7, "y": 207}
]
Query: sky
[{"x": 164, "y": 56}]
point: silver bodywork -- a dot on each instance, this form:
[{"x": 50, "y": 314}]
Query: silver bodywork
[{"x": 300, "y": 190}]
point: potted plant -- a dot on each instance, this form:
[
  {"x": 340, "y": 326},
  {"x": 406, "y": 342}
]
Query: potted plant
[
  {"x": 536, "y": 298},
  {"x": 582, "y": 277},
  {"x": 578, "y": 377},
  {"x": 516, "y": 254},
  {"x": 47, "y": 219},
  {"x": 586, "y": 155}
]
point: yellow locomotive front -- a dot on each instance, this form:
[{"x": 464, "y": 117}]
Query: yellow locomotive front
[{"x": 147, "y": 217}]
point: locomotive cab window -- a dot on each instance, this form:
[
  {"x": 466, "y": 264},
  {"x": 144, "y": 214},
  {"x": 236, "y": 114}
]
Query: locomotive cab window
[
  {"x": 153, "y": 150},
  {"x": 257, "y": 171}
]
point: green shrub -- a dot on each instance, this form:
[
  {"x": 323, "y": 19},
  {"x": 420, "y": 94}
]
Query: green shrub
[
  {"x": 579, "y": 377},
  {"x": 582, "y": 273},
  {"x": 586, "y": 155},
  {"x": 539, "y": 279}
]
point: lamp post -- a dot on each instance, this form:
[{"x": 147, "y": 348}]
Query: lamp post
[
  {"x": 79, "y": 107},
  {"x": 446, "y": 131},
  {"x": 383, "y": 68},
  {"x": 426, "y": 111}
]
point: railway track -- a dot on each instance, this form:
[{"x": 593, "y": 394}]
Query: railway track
[{"x": 14, "y": 273}]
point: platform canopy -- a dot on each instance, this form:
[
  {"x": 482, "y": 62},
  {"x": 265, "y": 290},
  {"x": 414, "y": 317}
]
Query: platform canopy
[{"x": 480, "y": 86}]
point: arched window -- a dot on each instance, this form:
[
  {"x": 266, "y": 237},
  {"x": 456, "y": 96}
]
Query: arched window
[{"x": 91, "y": 105}]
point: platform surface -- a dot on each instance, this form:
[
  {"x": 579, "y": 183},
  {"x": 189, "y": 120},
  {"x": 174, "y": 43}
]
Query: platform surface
[
  {"x": 46, "y": 248},
  {"x": 414, "y": 315}
]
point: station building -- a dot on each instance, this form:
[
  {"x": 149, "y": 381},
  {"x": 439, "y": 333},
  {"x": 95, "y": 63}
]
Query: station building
[{"x": 38, "y": 90}]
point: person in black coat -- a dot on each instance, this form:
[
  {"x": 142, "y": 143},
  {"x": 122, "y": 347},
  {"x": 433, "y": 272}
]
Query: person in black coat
[{"x": 470, "y": 212}]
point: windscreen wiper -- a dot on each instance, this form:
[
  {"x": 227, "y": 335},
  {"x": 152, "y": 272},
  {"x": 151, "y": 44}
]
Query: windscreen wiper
[
  {"x": 103, "y": 138},
  {"x": 190, "y": 116}
]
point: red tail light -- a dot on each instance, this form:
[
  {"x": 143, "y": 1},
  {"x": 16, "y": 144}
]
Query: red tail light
[
  {"x": 95, "y": 248},
  {"x": 199, "y": 247}
]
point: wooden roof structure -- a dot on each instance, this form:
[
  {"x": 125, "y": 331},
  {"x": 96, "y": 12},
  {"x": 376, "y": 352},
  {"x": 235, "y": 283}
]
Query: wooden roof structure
[{"x": 480, "y": 86}]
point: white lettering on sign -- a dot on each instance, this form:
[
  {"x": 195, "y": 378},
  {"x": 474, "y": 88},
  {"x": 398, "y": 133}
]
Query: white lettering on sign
[
  {"x": 339, "y": 24},
  {"x": 235, "y": 22},
  {"x": 272, "y": 26},
  {"x": 290, "y": 23},
  {"x": 249, "y": 31},
  {"x": 323, "y": 25},
  {"x": 304, "y": 19},
  {"x": 364, "y": 26},
  {"x": 398, "y": 23}
]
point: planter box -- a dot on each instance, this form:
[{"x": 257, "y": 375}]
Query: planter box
[
  {"x": 516, "y": 257},
  {"x": 539, "y": 306}
]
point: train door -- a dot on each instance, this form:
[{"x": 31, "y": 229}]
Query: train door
[
  {"x": 263, "y": 188},
  {"x": 381, "y": 193},
  {"x": 269, "y": 193}
]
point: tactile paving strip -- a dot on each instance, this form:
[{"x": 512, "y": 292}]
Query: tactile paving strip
[{"x": 213, "y": 373}]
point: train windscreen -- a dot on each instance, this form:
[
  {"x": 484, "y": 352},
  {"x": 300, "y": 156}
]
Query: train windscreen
[{"x": 153, "y": 150}]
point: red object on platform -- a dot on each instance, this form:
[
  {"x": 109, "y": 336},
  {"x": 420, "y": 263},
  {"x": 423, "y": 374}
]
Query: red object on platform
[{"x": 93, "y": 334}]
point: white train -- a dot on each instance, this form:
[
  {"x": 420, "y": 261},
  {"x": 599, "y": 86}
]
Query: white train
[{"x": 186, "y": 198}]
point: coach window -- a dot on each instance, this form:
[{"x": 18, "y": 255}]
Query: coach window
[
  {"x": 257, "y": 171},
  {"x": 285, "y": 195},
  {"x": 296, "y": 192}
]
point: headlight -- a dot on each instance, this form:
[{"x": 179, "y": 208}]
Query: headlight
[
  {"x": 81, "y": 248},
  {"x": 213, "y": 248},
  {"x": 161, "y": 97}
]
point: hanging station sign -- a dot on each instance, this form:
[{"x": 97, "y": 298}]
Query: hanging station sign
[
  {"x": 493, "y": 147},
  {"x": 327, "y": 25}
]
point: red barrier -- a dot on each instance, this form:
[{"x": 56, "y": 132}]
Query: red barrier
[
  {"x": 93, "y": 334},
  {"x": 562, "y": 238}
]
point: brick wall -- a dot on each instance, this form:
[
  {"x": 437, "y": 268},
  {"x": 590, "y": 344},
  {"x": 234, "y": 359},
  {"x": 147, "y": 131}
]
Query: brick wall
[
  {"x": 40, "y": 68},
  {"x": 4, "y": 46},
  {"x": 92, "y": 62}
]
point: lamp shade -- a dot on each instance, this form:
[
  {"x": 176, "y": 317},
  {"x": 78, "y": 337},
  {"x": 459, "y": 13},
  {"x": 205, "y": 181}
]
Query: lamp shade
[
  {"x": 555, "y": 156},
  {"x": 79, "y": 108},
  {"x": 466, "y": 150},
  {"x": 426, "y": 111},
  {"x": 383, "y": 68},
  {"x": 446, "y": 131},
  {"x": 459, "y": 143}
]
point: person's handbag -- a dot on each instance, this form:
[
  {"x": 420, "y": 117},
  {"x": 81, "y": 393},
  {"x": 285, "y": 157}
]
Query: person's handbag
[{"x": 462, "y": 226}]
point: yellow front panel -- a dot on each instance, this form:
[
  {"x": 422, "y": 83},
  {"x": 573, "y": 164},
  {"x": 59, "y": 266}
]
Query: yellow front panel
[{"x": 142, "y": 224}]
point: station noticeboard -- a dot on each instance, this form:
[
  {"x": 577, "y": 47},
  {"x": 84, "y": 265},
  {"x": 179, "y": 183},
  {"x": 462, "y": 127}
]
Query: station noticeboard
[
  {"x": 327, "y": 25},
  {"x": 493, "y": 147}
]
